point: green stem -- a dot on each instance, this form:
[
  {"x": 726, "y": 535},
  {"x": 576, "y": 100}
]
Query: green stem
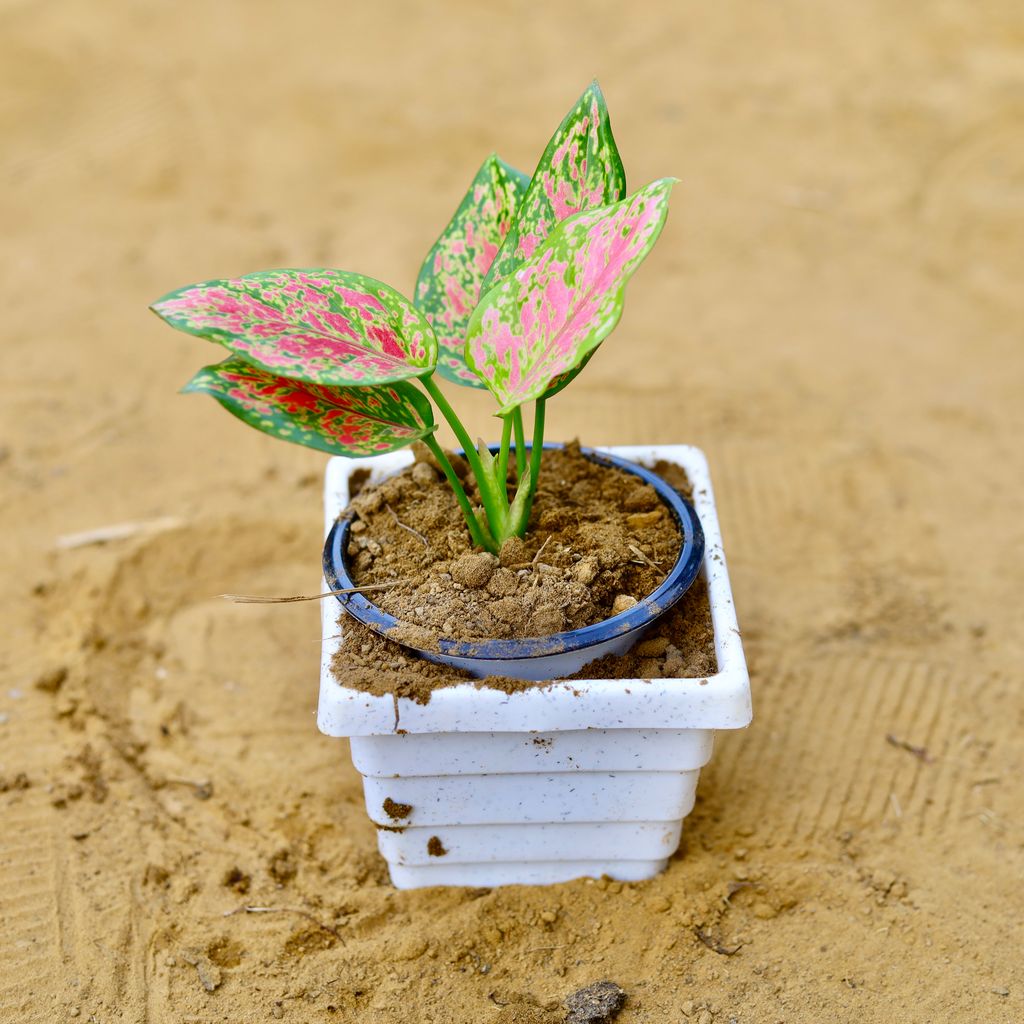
[
  {"x": 457, "y": 488},
  {"x": 506, "y": 438},
  {"x": 517, "y": 422},
  {"x": 453, "y": 421},
  {"x": 495, "y": 502},
  {"x": 536, "y": 450}
]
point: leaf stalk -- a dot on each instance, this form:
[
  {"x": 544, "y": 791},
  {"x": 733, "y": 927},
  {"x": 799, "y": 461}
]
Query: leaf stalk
[
  {"x": 536, "y": 450},
  {"x": 460, "y": 493},
  {"x": 506, "y": 440},
  {"x": 517, "y": 423}
]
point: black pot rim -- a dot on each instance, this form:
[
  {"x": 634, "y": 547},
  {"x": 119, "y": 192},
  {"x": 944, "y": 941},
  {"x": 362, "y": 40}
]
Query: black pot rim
[{"x": 675, "y": 585}]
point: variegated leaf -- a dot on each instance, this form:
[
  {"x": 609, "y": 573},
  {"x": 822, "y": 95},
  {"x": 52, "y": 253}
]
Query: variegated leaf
[
  {"x": 448, "y": 286},
  {"x": 580, "y": 169},
  {"x": 354, "y": 421},
  {"x": 322, "y": 326},
  {"x": 561, "y": 304},
  {"x": 563, "y": 380}
]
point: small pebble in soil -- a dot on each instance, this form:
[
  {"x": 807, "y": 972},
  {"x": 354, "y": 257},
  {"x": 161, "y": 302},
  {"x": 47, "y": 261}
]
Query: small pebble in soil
[
  {"x": 641, "y": 520},
  {"x": 622, "y": 603},
  {"x": 585, "y": 570},
  {"x": 595, "y": 1004}
]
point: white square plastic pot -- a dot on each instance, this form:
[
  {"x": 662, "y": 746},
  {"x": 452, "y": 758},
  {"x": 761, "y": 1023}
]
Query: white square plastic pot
[{"x": 591, "y": 777}]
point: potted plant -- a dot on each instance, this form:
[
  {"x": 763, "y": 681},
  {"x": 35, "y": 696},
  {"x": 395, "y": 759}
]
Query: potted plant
[{"x": 502, "y": 782}]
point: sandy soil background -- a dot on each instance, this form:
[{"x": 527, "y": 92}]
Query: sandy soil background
[{"x": 833, "y": 314}]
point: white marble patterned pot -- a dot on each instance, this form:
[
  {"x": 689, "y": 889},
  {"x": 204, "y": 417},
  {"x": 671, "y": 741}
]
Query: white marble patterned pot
[{"x": 479, "y": 787}]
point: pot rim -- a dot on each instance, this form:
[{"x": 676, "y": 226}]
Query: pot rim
[{"x": 642, "y": 615}]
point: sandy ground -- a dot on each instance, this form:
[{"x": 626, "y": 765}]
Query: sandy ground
[{"x": 833, "y": 314}]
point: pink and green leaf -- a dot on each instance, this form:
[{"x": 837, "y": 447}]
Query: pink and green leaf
[
  {"x": 326, "y": 327},
  {"x": 563, "y": 380},
  {"x": 542, "y": 322},
  {"x": 580, "y": 169},
  {"x": 353, "y": 421},
  {"x": 449, "y": 282}
]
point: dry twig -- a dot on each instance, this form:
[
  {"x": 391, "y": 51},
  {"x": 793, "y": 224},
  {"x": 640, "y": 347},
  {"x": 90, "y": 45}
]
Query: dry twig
[
  {"x": 921, "y": 753},
  {"x": 286, "y": 910},
  {"x": 408, "y": 529},
  {"x": 714, "y": 945},
  {"x": 324, "y": 639},
  {"x": 116, "y": 531},
  {"x": 247, "y": 599},
  {"x": 642, "y": 558}
]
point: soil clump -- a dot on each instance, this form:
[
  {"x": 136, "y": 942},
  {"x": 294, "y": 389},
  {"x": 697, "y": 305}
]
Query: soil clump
[{"x": 596, "y": 1004}]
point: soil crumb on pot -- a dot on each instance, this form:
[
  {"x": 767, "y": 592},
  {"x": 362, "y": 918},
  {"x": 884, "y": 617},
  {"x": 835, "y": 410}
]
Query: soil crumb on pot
[
  {"x": 680, "y": 645},
  {"x": 600, "y": 540},
  {"x": 396, "y": 811}
]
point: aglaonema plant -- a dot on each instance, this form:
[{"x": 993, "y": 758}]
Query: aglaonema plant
[{"x": 522, "y": 286}]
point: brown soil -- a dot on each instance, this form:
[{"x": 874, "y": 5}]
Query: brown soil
[
  {"x": 396, "y": 811},
  {"x": 834, "y": 313},
  {"x": 680, "y": 645},
  {"x": 599, "y": 541}
]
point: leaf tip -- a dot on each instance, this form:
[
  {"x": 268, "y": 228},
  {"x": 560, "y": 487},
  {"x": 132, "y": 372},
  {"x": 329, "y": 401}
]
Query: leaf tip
[
  {"x": 198, "y": 384},
  {"x": 596, "y": 93},
  {"x": 158, "y": 306}
]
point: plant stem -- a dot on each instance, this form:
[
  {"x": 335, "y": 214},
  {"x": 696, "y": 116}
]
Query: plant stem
[
  {"x": 459, "y": 491},
  {"x": 453, "y": 421},
  {"x": 506, "y": 438},
  {"x": 494, "y": 503},
  {"x": 536, "y": 450},
  {"x": 517, "y": 422}
]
